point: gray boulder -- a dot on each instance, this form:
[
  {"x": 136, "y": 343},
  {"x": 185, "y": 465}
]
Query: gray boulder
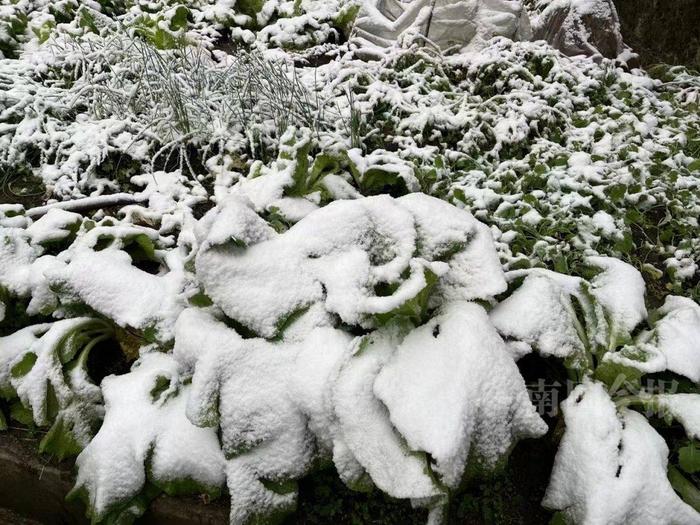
[{"x": 579, "y": 27}]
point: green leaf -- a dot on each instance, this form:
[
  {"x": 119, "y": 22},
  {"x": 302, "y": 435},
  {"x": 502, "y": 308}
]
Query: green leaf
[
  {"x": 689, "y": 458},
  {"x": 123, "y": 514},
  {"x": 695, "y": 165},
  {"x": 620, "y": 375},
  {"x": 626, "y": 244},
  {"x": 25, "y": 365},
  {"x": 415, "y": 308},
  {"x": 558, "y": 519},
  {"x": 250, "y": 7},
  {"x": 685, "y": 489},
  {"x": 345, "y": 19},
  {"x": 200, "y": 300},
  {"x": 162, "y": 384},
  {"x": 86, "y": 20},
  {"x": 616, "y": 192},
  {"x": 21, "y": 414},
  {"x": 60, "y": 440},
  {"x": 179, "y": 19}
]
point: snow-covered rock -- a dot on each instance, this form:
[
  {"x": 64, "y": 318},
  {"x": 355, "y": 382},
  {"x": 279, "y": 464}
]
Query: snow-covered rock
[{"x": 579, "y": 27}]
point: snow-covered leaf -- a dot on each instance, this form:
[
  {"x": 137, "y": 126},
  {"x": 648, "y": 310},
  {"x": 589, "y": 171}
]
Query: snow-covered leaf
[{"x": 611, "y": 466}]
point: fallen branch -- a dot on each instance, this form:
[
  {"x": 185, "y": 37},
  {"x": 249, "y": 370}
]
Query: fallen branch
[{"x": 89, "y": 203}]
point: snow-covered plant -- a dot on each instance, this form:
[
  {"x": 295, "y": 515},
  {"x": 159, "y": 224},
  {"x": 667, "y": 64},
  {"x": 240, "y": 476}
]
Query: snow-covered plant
[
  {"x": 612, "y": 464},
  {"x": 43, "y": 374},
  {"x": 273, "y": 364},
  {"x": 565, "y": 155},
  {"x": 168, "y": 452},
  {"x": 130, "y": 106},
  {"x": 183, "y": 96}
]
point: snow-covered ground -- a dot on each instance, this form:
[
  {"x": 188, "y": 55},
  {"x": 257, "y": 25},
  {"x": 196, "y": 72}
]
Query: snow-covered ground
[{"x": 311, "y": 257}]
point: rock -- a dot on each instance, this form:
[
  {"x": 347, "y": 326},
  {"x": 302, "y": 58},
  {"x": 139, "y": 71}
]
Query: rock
[{"x": 579, "y": 27}]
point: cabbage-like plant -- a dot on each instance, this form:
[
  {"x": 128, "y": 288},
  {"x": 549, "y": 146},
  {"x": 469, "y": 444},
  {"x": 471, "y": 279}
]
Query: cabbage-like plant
[
  {"x": 312, "y": 342},
  {"x": 612, "y": 464},
  {"x": 44, "y": 377},
  {"x": 366, "y": 334}
]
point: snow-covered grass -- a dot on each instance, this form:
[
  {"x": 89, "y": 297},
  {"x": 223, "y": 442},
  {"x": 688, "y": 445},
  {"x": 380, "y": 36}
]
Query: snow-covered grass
[{"x": 343, "y": 263}]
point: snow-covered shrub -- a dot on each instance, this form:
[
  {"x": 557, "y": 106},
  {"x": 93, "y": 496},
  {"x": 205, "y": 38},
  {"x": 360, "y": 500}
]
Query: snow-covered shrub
[
  {"x": 132, "y": 106},
  {"x": 175, "y": 456},
  {"x": 611, "y": 464},
  {"x": 362, "y": 333},
  {"x": 283, "y": 331},
  {"x": 395, "y": 251}
]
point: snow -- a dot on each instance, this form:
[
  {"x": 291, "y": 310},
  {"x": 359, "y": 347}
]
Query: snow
[
  {"x": 620, "y": 289},
  {"x": 611, "y": 466},
  {"x": 345, "y": 316},
  {"x": 677, "y": 336},
  {"x": 120, "y": 291},
  {"x": 318, "y": 393},
  {"x": 542, "y": 311},
  {"x": 444, "y": 397},
  {"x": 540, "y": 314},
  {"x": 367, "y": 431},
  {"x": 269, "y": 400},
  {"x": 684, "y": 408},
  {"x": 54, "y": 226},
  {"x": 16, "y": 256},
  {"x": 337, "y": 255},
  {"x": 47, "y": 347},
  {"x": 115, "y": 465}
]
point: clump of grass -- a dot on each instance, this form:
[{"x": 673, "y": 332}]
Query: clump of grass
[{"x": 184, "y": 97}]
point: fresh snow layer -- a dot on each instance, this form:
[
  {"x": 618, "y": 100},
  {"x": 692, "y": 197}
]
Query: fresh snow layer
[
  {"x": 540, "y": 314},
  {"x": 611, "y": 466},
  {"x": 107, "y": 282},
  {"x": 565, "y": 316},
  {"x": 338, "y": 255},
  {"x": 32, "y": 365},
  {"x": 146, "y": 434},
  {"x": 453, "y": 390},
  {"x": 684, "y": 408},
  {"x": 619, "y": 289},
  {"x": 395, "y": 467},
  {"x": 366, "y": 403},
  {"x": 677, "y": 336}
]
